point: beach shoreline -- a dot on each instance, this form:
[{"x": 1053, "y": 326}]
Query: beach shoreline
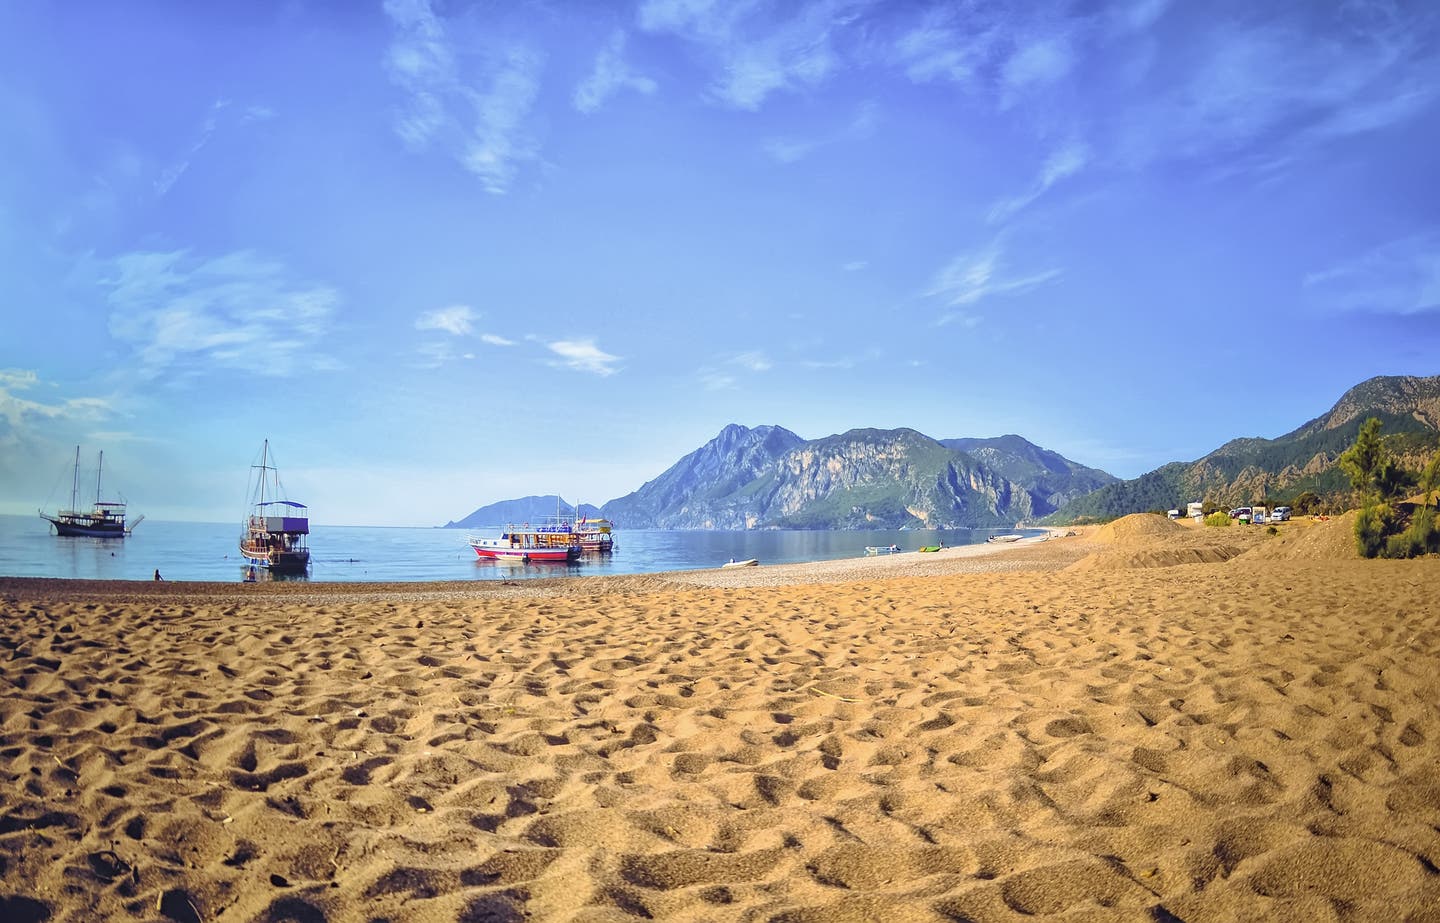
[
  {"x": 1140, "y": 722},
  {"x": 953, "y": 559}
]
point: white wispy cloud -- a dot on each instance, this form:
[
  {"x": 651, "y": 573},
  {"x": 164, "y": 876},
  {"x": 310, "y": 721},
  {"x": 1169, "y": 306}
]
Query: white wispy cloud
[
  {"x": 583, "y": 356},
  {"x": 792, "y": 150},
  {"x": 1251, "y": 93},
  {"x": 982, "y": 273},
  {"x": 432, "y": 354},
  {"x": 855, "y": 265},
  {"x": 457, "y": 319},
  {"x": 16, "y": 411},
  {"x": 726, "y": 377},
  {"x": 1399, "y": 277},
  {"x": 1038, "y": 62},
  {"x": 958, "y": 318},
  {"x": 789, "y": 150},
  {"x": 1160, "y": 80},
  {"x": 478, "y": 119},
  {"x": 755, "y": 52},
  {"x": 610, "y": 76},
  {"x": 1264, "y": 93},
  {"x": 182, "y": 314},
  {"x": 421, "y": 63},
  {"x": 497, "y": 144},
  {"x": 1062, "y": 163},
  {"x": 171, "y": 173},
  {"x": 35, "y": 427},
  {"x": 1004, "y": 54},
  {"x": 1136, "y": 16},
  {"x": 952, "y": 45},
  {"x": 753, "y": 361},
  {"x": 713, "y": 19}
]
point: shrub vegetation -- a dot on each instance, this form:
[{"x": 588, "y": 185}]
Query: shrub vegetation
[
  {"x": 1382, "y": 528},
  {"x": 1306, "y": 503}
]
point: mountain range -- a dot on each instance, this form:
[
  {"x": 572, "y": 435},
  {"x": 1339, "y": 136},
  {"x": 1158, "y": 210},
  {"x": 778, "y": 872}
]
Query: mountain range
[
  {"x": 767, "y": 477},
  {"x": 1254, "y": 470},
  {"x": 526, "y": 509}
]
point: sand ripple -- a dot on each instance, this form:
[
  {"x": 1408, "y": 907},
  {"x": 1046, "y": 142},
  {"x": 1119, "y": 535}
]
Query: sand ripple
[{"x": 1240, "y": 738}]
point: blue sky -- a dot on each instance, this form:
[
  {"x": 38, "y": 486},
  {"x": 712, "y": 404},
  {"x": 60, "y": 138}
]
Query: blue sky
[{"x": 443, "y": 254}]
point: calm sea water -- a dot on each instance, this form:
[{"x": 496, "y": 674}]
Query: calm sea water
[{"x": 207, "y": 551}]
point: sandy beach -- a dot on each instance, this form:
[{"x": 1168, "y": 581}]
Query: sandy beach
[{"x": 1145, "y": 721}]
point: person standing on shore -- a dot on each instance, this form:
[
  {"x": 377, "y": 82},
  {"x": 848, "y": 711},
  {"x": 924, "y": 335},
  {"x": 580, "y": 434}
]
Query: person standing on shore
[{"x": 158, "y": 578}]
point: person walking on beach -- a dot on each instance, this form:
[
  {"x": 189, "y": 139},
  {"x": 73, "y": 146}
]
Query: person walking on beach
[{"x": 158, "y": 578}]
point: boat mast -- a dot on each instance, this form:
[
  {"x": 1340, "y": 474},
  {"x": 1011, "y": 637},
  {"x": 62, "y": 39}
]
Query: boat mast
[
  {"x": 99, "y": 466},
  {"x": 75, "y": 480},
  {"x": 264, "y": 467}
]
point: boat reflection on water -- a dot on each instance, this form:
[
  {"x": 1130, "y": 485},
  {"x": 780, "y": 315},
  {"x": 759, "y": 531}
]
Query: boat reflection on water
[{"x": 249, "y": 573}]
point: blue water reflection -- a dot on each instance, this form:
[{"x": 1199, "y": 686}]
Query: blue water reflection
[{"x": 207, "y": 551}]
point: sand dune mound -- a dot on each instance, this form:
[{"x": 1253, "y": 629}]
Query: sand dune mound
[
  {"x": 1136, "y": 528},
  {"x": 1331, "y": 540},
  {"x": 1171, "y": 555},
  {"x": 1145, "y": 540}
]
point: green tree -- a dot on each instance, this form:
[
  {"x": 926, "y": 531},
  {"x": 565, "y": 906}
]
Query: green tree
[
  {"x": 1370, "y": 469},
  {"x": 1373, "y": 525},
  {"x": 1430, "y": 479},
  {"x": 1308, "y": 502}
]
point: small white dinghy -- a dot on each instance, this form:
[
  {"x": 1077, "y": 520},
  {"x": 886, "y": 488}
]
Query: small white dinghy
[{"x": 748, "y": 562}]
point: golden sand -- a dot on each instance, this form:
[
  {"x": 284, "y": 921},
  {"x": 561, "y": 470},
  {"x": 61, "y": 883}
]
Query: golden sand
[{"x": 1167, "y": 732}]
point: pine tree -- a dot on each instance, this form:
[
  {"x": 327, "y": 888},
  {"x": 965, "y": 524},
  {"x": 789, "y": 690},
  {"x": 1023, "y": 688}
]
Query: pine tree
[{"x": 1371, "y": 470}]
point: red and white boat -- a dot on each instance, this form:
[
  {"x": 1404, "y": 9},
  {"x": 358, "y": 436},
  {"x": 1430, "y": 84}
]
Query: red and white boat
[{"x": 529, "y": 545}]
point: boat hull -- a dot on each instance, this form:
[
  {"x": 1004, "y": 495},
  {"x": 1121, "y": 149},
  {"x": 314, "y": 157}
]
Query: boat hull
[
  {"x": 279, "y": 562},
  {"x": 494, "y": 549},
  {"x": 87, "y": 529}
]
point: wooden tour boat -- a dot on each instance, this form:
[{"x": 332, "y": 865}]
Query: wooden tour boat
[
  {"x": 277, "y": 531},
  {"x": 105, "y": 519}
]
